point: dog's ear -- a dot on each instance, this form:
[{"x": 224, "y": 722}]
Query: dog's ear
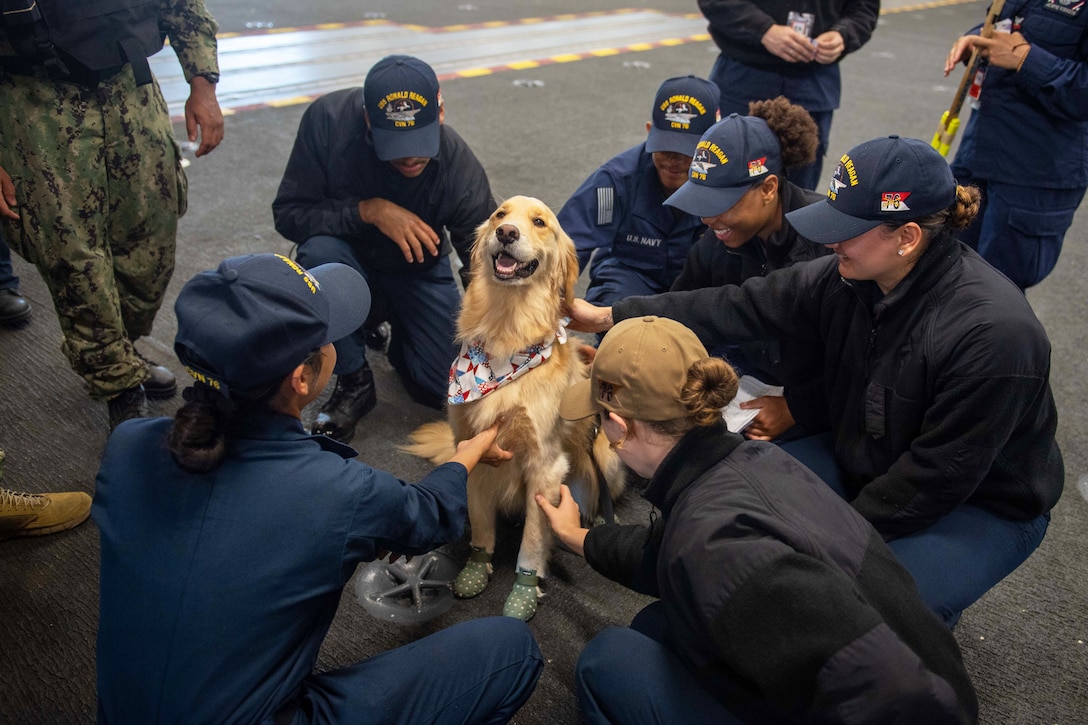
[{"x": 569, "y": 264}]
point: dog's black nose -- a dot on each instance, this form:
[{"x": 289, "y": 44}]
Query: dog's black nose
[{"x": 507, "y": 234}]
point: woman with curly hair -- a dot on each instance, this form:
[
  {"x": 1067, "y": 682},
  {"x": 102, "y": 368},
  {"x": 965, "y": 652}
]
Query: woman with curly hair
[
  {"x": 743, "y": 201},
  {"x": 936, "y": 370},
  {"x": 778, "y": 602}
]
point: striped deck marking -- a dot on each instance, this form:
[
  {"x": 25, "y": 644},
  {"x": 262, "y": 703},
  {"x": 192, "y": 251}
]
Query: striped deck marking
[
  {"x": 924, "y": 6},
  {"x": 285, "y": 66},
  {"x": 276, "y": 67}
]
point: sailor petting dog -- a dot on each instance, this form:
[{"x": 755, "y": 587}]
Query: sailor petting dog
[
  {"x": 228, "y": 532},
  {"x": 778, "y": 602},
  {"x": 942, "y": 432}
]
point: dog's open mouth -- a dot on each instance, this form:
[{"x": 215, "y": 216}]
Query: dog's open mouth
[{"x": 506, "y": 267}]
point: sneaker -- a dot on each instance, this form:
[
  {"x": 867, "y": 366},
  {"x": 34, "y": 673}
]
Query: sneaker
[
  {"x": 131, "y": 403},
  {"x": 353, "y": 397},
  {"x": 37, "y": 514},
  {"x": 14, "y": 308},
  {"x": 162, "y": 384}
]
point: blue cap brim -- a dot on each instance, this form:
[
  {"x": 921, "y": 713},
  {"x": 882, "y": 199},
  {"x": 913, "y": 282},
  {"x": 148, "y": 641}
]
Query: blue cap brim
[
  {"x": 402, "y": 144},
  {"x": 671, "y": 142},
  {"x": 348, "y": 295},
  {"x": 706, "y": 201},
  {"x": 824, "y": 224}
]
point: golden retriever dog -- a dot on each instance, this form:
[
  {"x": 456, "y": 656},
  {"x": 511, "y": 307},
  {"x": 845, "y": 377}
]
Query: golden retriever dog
[{"x": 515, "y": 364}]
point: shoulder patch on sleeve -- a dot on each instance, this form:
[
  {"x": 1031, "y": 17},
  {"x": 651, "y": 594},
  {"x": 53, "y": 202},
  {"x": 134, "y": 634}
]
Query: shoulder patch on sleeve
[{"x": 606, "y": 196}]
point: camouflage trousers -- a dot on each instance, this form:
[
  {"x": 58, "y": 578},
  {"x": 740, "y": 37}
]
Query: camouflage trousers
[{"x": 100, "y": 188}]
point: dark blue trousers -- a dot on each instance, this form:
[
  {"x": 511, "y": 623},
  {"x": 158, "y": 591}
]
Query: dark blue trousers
[
  {"x": 628, "y": 675},
  {"x": 8, "y": 280},
  {"x": 814, "y": 88},
  {"x": 421, "y": 309},
  {"x": 1019, "y": 229},
  {"x": 480, "y": 671},
  {"x": 956, "y": 560}
]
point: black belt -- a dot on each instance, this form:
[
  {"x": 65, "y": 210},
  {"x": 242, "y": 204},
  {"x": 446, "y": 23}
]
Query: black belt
[{"x": 72, "y": 71}]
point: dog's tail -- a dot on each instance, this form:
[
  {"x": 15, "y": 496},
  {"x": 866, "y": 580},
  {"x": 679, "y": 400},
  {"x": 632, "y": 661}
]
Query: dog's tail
[{"x": 433, "y": 441}]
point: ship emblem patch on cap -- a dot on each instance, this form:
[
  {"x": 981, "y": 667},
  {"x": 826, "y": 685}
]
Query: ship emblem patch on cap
[
  {"x": 844, "y": 169},
  {"x": 401, "y": 107},
  {"x": 679, "y": 110},
  {"x": 836, "y": 185},
  {"x": 757, "y": 166},
  {"x": 700, "y": 164}
]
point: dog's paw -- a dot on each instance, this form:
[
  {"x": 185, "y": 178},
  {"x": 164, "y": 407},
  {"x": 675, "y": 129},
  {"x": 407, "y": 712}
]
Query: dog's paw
[
  {"x": 522, "y": 601},
  {"x": 474, "y": 577}
]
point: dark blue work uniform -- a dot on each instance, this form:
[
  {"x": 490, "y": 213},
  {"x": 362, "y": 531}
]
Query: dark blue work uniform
[
  {"x": 332, "y": 168},
  {"x": 8, "y": 280},
  {"x": 1026, "y": 146},
  {"x": 640, "y": 243},
  {"x": 746, "y": 71},
  {"x": 217, "y": 589}
]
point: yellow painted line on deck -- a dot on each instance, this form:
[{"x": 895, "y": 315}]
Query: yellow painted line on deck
[{"x": 924, "y": 6}]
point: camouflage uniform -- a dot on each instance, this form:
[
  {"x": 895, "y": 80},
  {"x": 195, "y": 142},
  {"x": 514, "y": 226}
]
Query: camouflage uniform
[{"x": 100, "y": 188}]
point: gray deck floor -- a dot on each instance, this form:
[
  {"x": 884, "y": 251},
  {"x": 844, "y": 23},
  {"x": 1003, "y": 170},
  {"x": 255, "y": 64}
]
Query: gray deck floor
[{"x": 539, "y": 127}]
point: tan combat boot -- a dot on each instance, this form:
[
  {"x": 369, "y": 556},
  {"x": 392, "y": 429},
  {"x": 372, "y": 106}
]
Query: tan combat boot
[{"x": 33, "y": 514}]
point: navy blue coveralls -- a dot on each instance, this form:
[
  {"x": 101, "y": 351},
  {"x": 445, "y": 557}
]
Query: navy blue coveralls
[
  {"x": 217, "y": 589},
  {"x": 1026, "y": 146},
  {"x": 640, "y": 243},
  {"x": 332, "y": 168},
  {"x": 746, "y": 71}
]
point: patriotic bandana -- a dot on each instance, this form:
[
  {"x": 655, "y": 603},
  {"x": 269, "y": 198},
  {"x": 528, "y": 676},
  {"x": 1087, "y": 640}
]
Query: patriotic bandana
[{"x": 474, "y": 374}]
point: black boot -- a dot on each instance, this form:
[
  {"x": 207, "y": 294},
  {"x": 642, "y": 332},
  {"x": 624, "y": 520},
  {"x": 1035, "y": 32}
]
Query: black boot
[
  {"x": 14, "y": 309},
  {"x": 162, "y": 384},
  {"x": 131, "y": 403},
  {"x": 377, "y": 338},
  {"x": 352, "y": 398}
]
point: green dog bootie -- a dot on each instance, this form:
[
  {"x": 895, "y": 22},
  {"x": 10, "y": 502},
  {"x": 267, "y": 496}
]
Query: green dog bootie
[
  {"x": 474, "y": 577},
  {"x": 521, "y": 604}
]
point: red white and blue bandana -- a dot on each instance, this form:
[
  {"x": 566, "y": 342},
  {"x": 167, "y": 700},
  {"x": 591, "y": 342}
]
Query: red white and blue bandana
[{"x": 474, "y": 374}]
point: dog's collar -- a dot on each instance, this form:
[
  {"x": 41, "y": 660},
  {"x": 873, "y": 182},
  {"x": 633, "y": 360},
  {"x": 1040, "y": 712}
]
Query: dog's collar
[{"x": 474, "y": 374}]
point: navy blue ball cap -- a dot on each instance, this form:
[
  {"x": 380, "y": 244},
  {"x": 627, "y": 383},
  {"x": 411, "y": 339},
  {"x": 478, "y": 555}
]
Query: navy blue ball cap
[
  {"x": 402, "y": 102},
  {"x": 885, "y": 180},
  {"x": 257, "y": 317},
  {"x": 730, "y": 158},
  {"x": 684, "y": 108}
]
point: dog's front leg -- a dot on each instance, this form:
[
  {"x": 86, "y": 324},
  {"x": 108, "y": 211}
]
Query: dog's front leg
[
  {"x": 536, "y": 540},
  {"x": 475, "y": 575}
]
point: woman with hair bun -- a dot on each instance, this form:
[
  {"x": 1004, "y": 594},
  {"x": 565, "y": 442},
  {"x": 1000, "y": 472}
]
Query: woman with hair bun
[
  {"x": 743, "y": 198},
  {"x": 777, "y": 601},
  {"x": 228, "y": 532},
  {"x": 936, "y": 370}
]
